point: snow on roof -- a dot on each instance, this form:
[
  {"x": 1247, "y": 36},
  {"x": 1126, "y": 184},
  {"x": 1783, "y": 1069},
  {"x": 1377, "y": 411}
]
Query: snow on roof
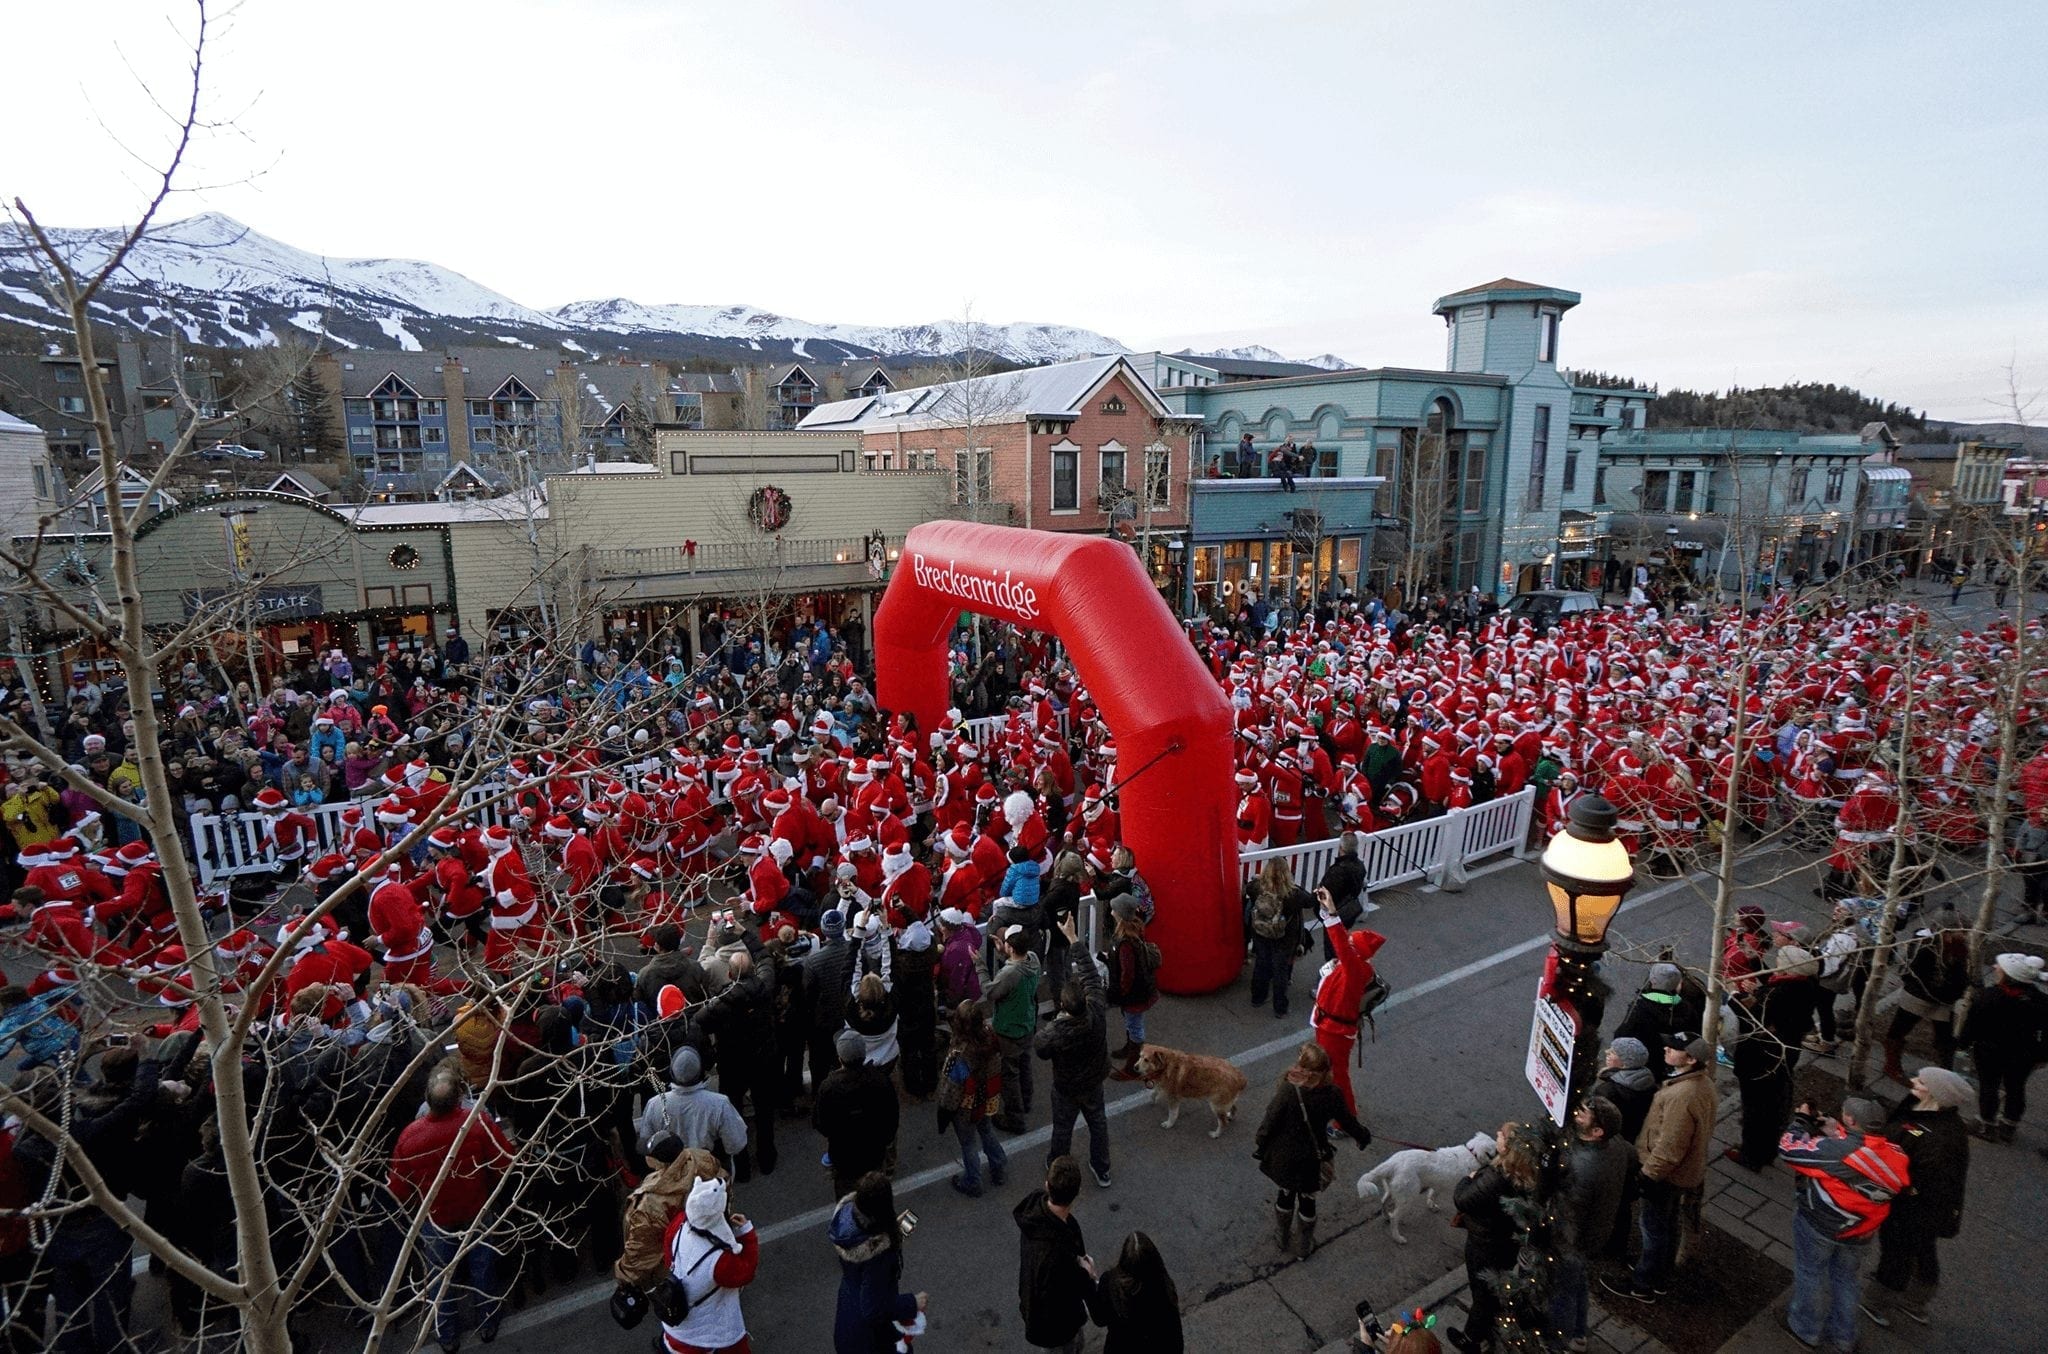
[
  {"x": 1058, "y": 388},
  {"x": 9, "y": 423}
]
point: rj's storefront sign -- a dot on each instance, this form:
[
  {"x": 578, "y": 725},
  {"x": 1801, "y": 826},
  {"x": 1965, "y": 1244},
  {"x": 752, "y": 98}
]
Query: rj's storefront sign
[{"x": 982, "y": 591}]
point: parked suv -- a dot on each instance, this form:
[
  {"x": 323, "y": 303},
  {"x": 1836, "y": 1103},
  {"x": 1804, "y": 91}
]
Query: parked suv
[{"x": 1547, "y": 607}]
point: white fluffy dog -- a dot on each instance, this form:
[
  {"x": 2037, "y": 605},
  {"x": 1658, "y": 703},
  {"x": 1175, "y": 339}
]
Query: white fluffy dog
[{"x": 1405, "y": 1176}]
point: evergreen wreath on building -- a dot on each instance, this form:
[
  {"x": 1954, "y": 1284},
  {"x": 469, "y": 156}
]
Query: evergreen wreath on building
[{"x": 769, "y": 508}]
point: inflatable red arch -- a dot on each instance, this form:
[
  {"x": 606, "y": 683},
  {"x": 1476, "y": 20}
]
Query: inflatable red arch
[{"x": 1179, "y": 817}]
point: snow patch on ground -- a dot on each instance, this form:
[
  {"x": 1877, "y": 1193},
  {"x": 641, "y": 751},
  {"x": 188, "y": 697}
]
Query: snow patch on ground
[
  {"x": 573, "y": 346},
  {"x": 517, "y": 343},
  {"x": 801, "y": 351},
  {"x": 394, "y": 328}
]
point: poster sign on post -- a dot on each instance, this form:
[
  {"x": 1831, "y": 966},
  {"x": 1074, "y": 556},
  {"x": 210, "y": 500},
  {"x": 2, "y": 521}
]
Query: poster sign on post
[{"x": 1552, "y": 1036}]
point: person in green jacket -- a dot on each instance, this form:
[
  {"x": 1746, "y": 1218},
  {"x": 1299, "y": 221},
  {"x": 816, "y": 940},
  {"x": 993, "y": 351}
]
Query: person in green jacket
[{"x": 1012, "y": 997}]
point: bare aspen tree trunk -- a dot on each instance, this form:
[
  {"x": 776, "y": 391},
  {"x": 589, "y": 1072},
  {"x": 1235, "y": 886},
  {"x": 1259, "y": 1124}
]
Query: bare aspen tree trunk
[{"x": 1894, "y": 887}]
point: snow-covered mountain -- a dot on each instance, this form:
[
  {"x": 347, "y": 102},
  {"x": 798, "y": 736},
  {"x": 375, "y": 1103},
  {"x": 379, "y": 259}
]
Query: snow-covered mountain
[
  {"x": 1020, "y": 342},
  {"x": 1259, "y": 352},
  {"x": 217, "y": 282}
]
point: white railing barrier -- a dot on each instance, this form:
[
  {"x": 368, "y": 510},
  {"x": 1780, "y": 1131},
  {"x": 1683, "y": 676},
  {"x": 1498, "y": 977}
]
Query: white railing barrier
[{"x": 1436, "y": 849}]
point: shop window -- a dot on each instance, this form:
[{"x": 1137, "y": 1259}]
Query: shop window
[
  {"x": 418, "y": 596},
  {"x": 380, "y": 597}
]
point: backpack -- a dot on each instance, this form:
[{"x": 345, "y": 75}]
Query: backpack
[
  {"x": 1148, "y": 969},
  {"x": 1375, "y": 996},
  {"x": 1269, "y": 918},
  {"x": 672, "y": 1295}
]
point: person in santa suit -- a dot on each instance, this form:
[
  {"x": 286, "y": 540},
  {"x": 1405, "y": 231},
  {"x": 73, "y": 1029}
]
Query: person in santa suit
[
  {"x": 65, "y": 877},
  {"x": 767, "y": 884},
  {"x": 1353, "y": 801},
  {"x": 906, "y": 888},
  {"x": 751, "y": 782},
  {"x": 1340, "y": 992},
  {"x": 60, "y": 930},
  {"x": 1318, "y": 781},
  {"x": 515, "y": 903},
  {"x": 1867, "y": 820},
  {"x": 1510, "y": 770},
  {"x": 1343, "y": 735},
  {"x": 582, "y": 867},
  {"x": 1053, "y": 755},
  {"x": 1101, "y": 830},
  {"x": 400, "y": 926},
  {"x": 960, "y": 886},
  {"x": 991, "y": 857},
  {"x": 291, "y": 832},
  {"x": 394, "y": 820},
  {"x": 1026, "y": 826},
  {"x": 168, "y": 981},
  {"x": 866, "y": 863},
  {"x": 1554, "y": 806},
  {"x": 323, "y": 957},
  {"x": 463, "y": 902},
  {"x": 1284, "y": 787},
  {"x": 1254, "y": 813},
  {"x": 242, "y": 955},
  {"x": 1437, "y": 766}
]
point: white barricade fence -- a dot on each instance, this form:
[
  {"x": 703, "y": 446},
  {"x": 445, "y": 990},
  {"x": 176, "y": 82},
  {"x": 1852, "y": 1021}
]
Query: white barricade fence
[{"x": 1436, "y": 849}]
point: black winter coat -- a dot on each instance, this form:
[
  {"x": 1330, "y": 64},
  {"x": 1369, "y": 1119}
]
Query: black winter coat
[
  {"x": 1938, "y": 1148},
  {"x": 1345, "y": 879},
  {"x": 856, "y": 1112},
  {"x": 1631, "y": 1089},
  {"x": 1076, "y": 1044},
  {"x": 2007, "y": 1025},
  {"x": 1052, "y": 1288},
  {"x": 1291, "y": 1140},
  {"x": 1481, "y": 1200},
  {"x": 1141, "y": 1318}
]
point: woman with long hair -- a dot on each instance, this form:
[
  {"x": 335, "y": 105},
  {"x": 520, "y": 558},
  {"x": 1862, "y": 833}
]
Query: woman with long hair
[
  {"x": 867, "y": 1235},
  {"x": 1133, "y": 988},
  {"x": 1273, "y": 908},
  {"x": 971, "y": 1090},
  {"x": 1135, "y": 1300},
  {"x": 1293, "y": 1143},
  {"x": 1492, "y": 1237},
  {"x": 873, "y": 1017}
]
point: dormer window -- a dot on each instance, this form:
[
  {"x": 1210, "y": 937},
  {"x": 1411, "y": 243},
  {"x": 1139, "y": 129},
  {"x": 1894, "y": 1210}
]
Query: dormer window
[{"x": 1546, "y": 336}]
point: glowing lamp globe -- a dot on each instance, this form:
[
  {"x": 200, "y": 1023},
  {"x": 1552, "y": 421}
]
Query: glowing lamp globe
[{"x": 1588, "y": 872}]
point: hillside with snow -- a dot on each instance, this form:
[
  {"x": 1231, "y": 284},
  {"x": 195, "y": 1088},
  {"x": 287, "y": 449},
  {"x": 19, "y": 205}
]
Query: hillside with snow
[
  {"x": 1259, "y": 352},
  {"x": 215, "y": 281}
]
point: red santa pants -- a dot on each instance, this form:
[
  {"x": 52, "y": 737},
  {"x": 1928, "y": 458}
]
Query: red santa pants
[
  {"x": 1286, "y": 831},
  {"x": 1338, "y": 1043}
]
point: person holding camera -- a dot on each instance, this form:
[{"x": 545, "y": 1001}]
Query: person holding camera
[
  {"x": 712, "y": 1255},
  {"x": 867, "y": 1235}
]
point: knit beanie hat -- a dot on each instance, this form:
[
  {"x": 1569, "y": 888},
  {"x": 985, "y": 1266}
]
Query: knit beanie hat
[
  {"x": 1630, "y": 1052},
  {"x": 1664, "y": 978},
  {"x": 833, "y": 923},
  {"x": 1950, "y": 1090},
  {"x": 852, "y": 1049}
]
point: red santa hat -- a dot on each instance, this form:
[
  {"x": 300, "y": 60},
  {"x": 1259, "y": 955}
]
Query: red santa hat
[
  {"x": 985, "y": 793},
  {"x": 391, "y": 813},
  {"x": 896, "y": 860},
  {"x": 269, "y": 800},
  {"x": 63, "y": 848},
  {"x": 752, "y": 845},
  {"x": 135, "y": 853},
  {"x": 444, "y": 838},
  {"x": 559, "y": 827},
  {"x": 1092, "y": 802},
  {"x": 955, "y": 842},
  {"x": 775, "y": 801},
  {"x": 497, "y": 839},
  {"x": 860, "y": 841},
  {"x": 644, "y": 867},
  {"x": 1246, "y": 777}
]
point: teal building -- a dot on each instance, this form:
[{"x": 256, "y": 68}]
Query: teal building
[{"x": 1485, "y": 470}]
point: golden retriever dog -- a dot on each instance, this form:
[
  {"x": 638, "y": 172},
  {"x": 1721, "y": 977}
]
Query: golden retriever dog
[{"x": 1175, "y": 1076}]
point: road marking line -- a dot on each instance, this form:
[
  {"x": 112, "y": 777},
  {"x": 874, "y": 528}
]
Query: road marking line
[{"x": 1287, "y": 1043}]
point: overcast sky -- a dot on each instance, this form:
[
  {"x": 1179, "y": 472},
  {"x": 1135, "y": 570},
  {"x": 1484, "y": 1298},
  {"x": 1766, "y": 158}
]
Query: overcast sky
[{"x": 1742, "y": 192}]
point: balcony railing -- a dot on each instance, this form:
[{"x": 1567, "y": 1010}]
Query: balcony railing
[{"x": 733, "y": 557}]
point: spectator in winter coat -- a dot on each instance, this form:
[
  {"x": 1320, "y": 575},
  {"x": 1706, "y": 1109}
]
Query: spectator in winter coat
[
  {"x": 1597, "y": 1173},
  {"x": 1492, "y": 1237},
  {"x": 872, "y": 1310},
  {"x": 1848, "y": 1175},
  {"x": 692, "y": 1112},
  {"x": 1076, "y": 1045},
  {"x": 1133, "y": 978},
  {"x": 1012, "y": 997},
  {"x": 828, "y": 977},
  {"x": 655, "y": 1203},
  {"x": 1290, "y": 1143},
  {"x": 1626, "y": 1080},
  {"x": 959, "y": 954},
  {"x": 1937, "y": 973},
  {"x": 715, "y": 1254},
  {"x": 1672, "y": 1151},
  {"x": 2008, "y": 1038},
  {"x": 1658, "y": 1012},
  {"x": 1054, "y": 1274},
  {"x": 1928, "y": 1128},
  {"x": 1273, "y": 908},
  {"x": 917, "y": 1012},
  {"x": 856, "y": 1112},
  {"x": 1020, "y": 881},
  {"x": 480, "y": 1157},
  {"x": 1136, "y": 1300}
]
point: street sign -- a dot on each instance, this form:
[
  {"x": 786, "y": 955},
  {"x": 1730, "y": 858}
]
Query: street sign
[{"x": 1552, "y": 1036}]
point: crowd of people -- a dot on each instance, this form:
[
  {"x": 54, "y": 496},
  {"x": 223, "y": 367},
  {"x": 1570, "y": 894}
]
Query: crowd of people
[{"x": 535, "y": 906}]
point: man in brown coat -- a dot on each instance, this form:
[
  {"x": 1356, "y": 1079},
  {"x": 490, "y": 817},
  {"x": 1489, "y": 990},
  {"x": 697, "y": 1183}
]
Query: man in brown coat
[
  {"x": 654, "y": 1205},
  {"x": 1672, "y": 1150}
]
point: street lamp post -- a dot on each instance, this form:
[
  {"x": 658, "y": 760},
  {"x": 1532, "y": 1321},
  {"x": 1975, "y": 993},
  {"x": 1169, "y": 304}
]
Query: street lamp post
[{"x": 1587, "y": 872}]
